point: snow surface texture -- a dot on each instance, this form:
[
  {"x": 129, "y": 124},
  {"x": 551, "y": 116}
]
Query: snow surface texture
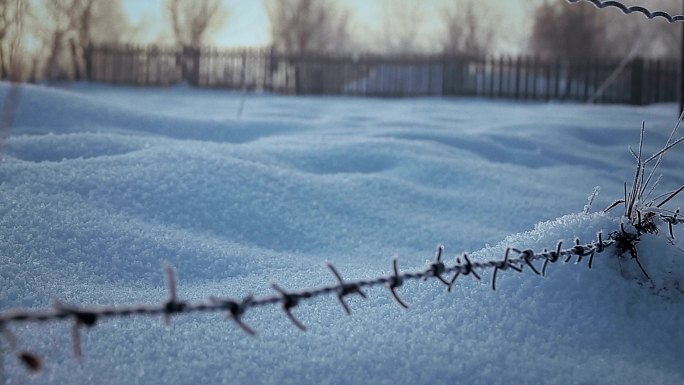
[{"x": 99, "y": 185}]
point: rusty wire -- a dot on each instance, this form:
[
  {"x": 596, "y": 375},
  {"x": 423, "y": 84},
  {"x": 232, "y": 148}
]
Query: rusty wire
[{"x": 639, "y": 9}]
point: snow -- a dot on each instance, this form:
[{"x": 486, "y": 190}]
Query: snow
[{"x": 100, "y": 185}]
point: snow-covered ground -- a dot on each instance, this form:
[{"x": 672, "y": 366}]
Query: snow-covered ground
[{"x": 100, "y": 185}]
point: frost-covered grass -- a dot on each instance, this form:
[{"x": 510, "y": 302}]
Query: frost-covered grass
[{"x": 100, "y": 185}]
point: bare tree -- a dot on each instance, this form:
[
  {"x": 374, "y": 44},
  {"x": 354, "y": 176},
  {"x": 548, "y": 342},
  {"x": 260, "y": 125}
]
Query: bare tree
[
  {"x": 83, "y": 17},
  {"x": 402, "y": 24},
  {"x": 569, "y": 32},
  {"x": 576, "y": 32},
  {"x": 59, "y": 13},
  {"x": 110, "y": 24},
  {"x": 12, "y": 14},
  {"x": 71, "y": 26},
  {"x": 193, "y": 21},
  {"x": 639, "y": 36},
  {"x": 308, "y": 25},
  {"x": 469, "y": 28}
]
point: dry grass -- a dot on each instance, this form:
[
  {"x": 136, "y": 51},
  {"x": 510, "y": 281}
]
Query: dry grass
[{"x": 640, "y": 208}]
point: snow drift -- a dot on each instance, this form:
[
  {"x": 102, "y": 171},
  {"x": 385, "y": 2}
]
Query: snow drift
[{"x": 101, "y": 185}]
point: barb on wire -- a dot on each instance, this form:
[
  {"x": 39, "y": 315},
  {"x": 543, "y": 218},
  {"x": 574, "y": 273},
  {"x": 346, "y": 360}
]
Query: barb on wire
[
  {"x": 468, "y": 270},
  {"x": 31, "y": 361},
  {"x": 396, "y": 281},
  {"x": 235, "y": 310},
  {"x": 289, "y": 301},
  {"x": 437, "y": 268},
  {"x": 514, "y": 259},
  {"x": 627, "y": 10},
  {"x": 672, "y": 220},
  {"x": 503, "y": 265},
  {"x": 345, "y": 288},
  {"x": 527, "y": 256},
  {"x": 82, "y": 317},
  {"x": 172, "y": 305}
]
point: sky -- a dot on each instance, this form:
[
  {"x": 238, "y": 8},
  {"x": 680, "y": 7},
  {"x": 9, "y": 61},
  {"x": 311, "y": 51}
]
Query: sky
[{"x": 248, "y": 23}]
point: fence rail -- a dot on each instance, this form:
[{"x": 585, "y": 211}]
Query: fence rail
[{"x": 641, "y": 81}]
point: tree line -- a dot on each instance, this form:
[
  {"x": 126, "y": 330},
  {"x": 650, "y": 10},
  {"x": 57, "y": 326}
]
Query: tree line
[{"x": 48, "y": 39}]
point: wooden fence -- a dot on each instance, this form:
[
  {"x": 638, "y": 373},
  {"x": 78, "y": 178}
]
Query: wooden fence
[{"x": 638, "y": 82}]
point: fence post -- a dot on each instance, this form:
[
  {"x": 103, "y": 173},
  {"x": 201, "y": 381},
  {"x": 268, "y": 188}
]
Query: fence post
[
  {"x": 297, "y": 77},
  {"x": 499, "y": 92},
  {"x": 89, "y": 62},
  {"x": 587, "y": 79},
  {"x": 637, "y": 81},
  {"x": 196, "y": 69},
  {"x": 556, "y": 86},
  {"x": 517, "y": 78},
  {"x": 190, "y": 64},
  {"x": 526, "y": 68},
  {"x": 658, "y": 82}
]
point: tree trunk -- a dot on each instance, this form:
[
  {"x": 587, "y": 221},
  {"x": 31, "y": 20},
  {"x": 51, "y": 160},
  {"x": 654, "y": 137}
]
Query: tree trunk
[
  {"x": 3, "y": 68},
  {"x": 51, "y": 67},
  {"x": 75, "y": 60}
]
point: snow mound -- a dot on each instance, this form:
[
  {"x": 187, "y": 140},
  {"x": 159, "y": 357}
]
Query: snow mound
[{"x": 100, "y": 185}]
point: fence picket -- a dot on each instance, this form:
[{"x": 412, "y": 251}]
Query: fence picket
[{"x": 524, "y": 78}]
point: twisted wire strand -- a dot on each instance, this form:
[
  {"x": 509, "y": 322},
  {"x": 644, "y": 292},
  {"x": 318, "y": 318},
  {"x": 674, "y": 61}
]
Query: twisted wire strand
[
  {"x": 88, "y": 316},
  {"x": 514, "y": 259},
  {"x": 639, "y": 9}
]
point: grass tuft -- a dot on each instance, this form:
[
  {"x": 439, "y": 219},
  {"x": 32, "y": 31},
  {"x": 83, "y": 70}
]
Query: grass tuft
[{"x": 639, "y": 210}]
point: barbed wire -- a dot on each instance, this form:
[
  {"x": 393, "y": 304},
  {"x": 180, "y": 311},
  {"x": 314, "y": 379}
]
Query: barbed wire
[
  {"x": 438, "y": 269},
  {"x": 627, "y": 10},
  {"x": 514, "y": 259}
]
